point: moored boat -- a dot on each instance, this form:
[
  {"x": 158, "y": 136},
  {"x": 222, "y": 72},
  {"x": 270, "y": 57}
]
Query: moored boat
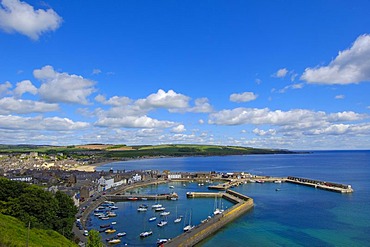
[
  {"x": 162, "y": 223},
  {"x": 145, "y": 234}
]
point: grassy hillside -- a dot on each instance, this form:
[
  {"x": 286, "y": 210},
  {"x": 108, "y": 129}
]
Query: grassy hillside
[{"x": 13, "y": 233}]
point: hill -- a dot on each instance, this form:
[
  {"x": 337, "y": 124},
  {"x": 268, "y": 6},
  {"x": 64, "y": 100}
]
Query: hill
[{"x": 14, "y": 233}]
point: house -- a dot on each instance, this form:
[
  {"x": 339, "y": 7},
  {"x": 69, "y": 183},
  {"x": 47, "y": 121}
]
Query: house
[{"x": 174, "y": 176}]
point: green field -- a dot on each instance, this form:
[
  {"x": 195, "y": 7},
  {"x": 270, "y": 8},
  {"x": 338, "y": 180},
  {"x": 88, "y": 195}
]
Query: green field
[
  {"x": 116, "y": 152},
  {"x": 13, "y": 233}
]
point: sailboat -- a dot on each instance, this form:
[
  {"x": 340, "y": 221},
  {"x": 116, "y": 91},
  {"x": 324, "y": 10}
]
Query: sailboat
[
  {"x": 217, "y": 209},
  {"x": 178, "y": 219},
  {"x": 189, "y": 226}
]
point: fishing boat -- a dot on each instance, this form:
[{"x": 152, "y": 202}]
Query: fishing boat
[
  {"x": 113, "y": 207},
  {"x": 152, "y": 219},
  {"x": 145, "y": 234},
  {"x": 111, "y": 214},
  {"x": 114, "y": 241},
  {"x": 110, "y": 231},
  {"x": 162, "y": 223},
  {"x": 105, "y": 226},
  {"x": 165, "y": 213}
]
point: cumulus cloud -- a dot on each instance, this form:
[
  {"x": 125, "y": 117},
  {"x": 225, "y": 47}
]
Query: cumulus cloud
[
  {"x": 201, "y": 105},
  {"x": 350, "y": 66},
  {"x": 10, "y": 105},
  {"x": 40, "y": 123},
  {"x": 25, "y": 86},
  {"x": 178, "y": 129},
  {"x": 163, "y": 99},
  {"x": 63, "y": 87},
  {"x": 18, "y": 16},
  {"x": 243, "y": 97},
  {"x": 281, "y": 73},
  {"x": 113, "y": 101}
]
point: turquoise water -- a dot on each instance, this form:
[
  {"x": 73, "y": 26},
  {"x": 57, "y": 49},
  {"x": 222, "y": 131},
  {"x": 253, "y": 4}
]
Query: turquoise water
[{"x": 293, "y": 216}]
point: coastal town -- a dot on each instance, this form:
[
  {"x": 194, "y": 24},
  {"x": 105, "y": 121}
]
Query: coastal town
[{"x": 90, "y": 188}]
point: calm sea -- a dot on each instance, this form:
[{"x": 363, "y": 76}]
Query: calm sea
[{"x": 292, "y": 216}]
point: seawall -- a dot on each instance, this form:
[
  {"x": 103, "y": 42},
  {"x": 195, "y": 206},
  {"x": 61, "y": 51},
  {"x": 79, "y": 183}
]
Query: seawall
[{"x": 212, "y": 225}]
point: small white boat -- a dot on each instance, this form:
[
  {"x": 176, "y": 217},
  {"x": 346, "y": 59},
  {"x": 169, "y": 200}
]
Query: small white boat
[
  {"x": 152, "y": 219},
  {"x": 157, "y": 205},
  {"x": 160, "y": 209},
  {"x": 165, "y": 213},
  {"x": 177, "y": 220},
  {"x": 113, "y": 223},
  {"x": 145, "y": 234},
  {"x": 161, "y": 241},
  {"x": 142, "y": 209},
  {"x": 113, "y": 207},
  {"x": 188, "y": 228},
  {"x": 162, "y": 223},
  {"x": 121, "y": 234},
  {"x": 277, "y": 181}
]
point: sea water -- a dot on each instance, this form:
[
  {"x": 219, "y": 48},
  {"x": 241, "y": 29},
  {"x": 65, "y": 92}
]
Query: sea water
[{"x": 293, "y": 215}]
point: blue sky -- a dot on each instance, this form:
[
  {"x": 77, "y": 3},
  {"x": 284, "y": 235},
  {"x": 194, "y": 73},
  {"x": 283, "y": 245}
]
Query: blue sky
[{"x": 270, "y": 74}]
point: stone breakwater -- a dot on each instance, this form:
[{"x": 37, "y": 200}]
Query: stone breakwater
[{"x": 211, "y": 225}]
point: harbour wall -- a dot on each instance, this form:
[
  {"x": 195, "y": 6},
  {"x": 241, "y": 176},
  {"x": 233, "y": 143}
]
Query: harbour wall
[
  {"x": 340, "y": 188},
  {"x": 212, "y": 225}
]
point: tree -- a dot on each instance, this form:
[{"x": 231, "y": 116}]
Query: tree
[{"x": 94, "y": 239}]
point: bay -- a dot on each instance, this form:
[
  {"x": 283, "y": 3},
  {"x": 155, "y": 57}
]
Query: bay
[{"x": 293, "y": 216}]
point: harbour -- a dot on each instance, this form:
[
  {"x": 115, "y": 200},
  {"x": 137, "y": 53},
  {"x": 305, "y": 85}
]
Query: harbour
[{"x": 210, "y": 224}]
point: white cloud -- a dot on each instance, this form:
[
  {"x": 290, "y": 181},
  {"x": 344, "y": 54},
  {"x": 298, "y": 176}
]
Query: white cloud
[
  {"x": 10, "y": 105},
  {"x": 178, "y": 129},
  {"x": 18, "y": 16},
  {"x": 25, "y": 86},
  {"x": 201, "y": 105},
  {"x": 162, "y": 99},
  {"x": 350, "y": 66},
  {"x": 96, "y": 71},
  {"x": 40, "y": 123},
  {"x": 62, "y": 87},
  {"x": 243, "y": 97},
  {"x": 340, "y": 96},
  {"x": 260, "y": 132},
  {"x": 4, "y": 88},
  {"x": 281, "y": 73},
  {"x": 291, "y": 86},
  {"x": 113, "y": 101},
  {"x": 297, "y": 118},
  {"x": 133, "y": 122}
]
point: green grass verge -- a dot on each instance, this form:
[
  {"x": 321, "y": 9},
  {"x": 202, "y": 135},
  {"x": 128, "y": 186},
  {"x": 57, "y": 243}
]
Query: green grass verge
[{"x": 13, "y": 233}]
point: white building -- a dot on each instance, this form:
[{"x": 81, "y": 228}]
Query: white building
[
  {"x": 174, "y": 176},
  {"x": 105, "y": 183},
  {"x": 136, "y": 178}
]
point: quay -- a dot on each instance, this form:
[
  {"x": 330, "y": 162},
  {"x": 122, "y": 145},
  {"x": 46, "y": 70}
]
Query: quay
[
  {"x": 211, "y": 225},
  {"x": 134, "y": 197},
  {"x": 340, "y": 188}
]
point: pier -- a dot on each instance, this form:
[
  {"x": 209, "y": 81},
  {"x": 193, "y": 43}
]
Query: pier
[
  {"x": 340, "y": 188},
  {"x": 134, "y": 197},
  {"x": 212, "y": 225}
]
